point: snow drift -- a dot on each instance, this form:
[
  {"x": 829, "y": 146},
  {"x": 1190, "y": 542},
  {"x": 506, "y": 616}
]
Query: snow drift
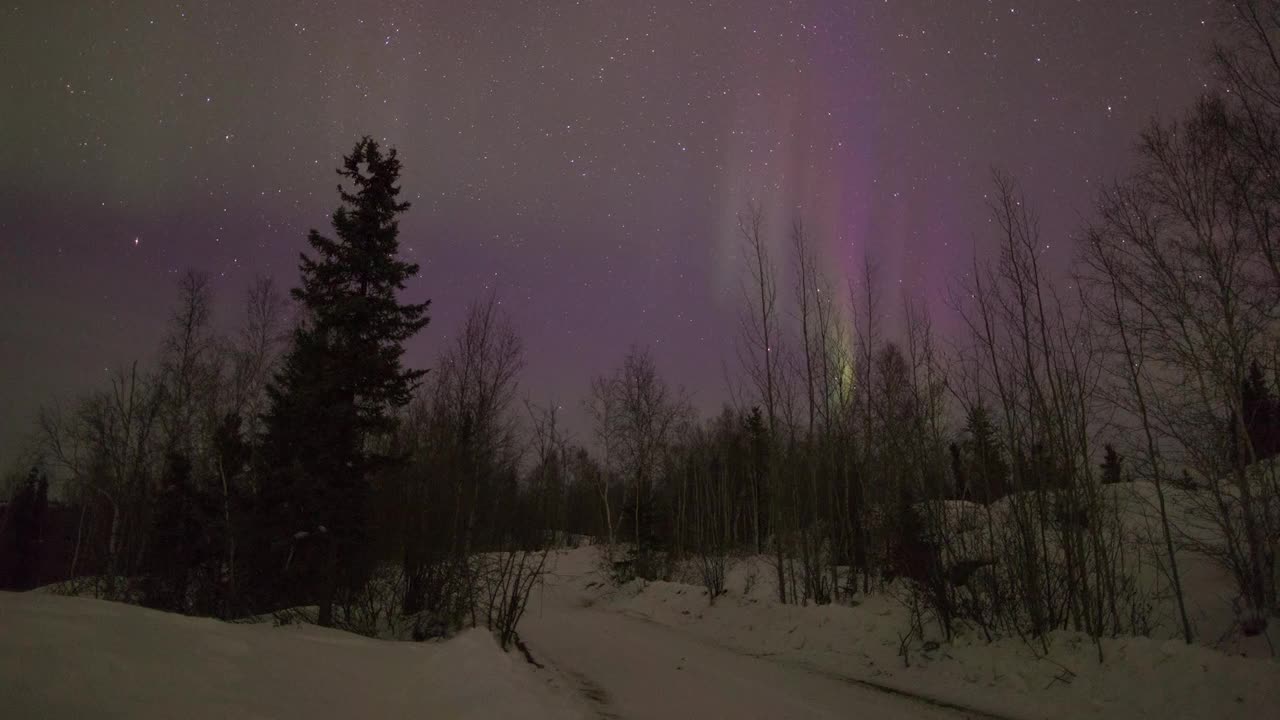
[{"x": 64, "y": 657}]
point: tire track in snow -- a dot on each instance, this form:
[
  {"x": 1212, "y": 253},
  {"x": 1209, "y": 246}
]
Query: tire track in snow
[
  {"x": 966, "y": 710},
  {"x": 595, "y": 695},
  {"x": 625, "y": 668}
]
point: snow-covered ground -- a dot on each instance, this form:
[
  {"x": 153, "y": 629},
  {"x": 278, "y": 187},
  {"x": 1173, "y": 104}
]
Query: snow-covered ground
[
  {"x": 645, "y": 650},
  {"x": 630, "y": 668},
  {"x": 1140, "y": 677},
  {"x": 1224, "y": 675},
  {"x": 1208, "y": 589},
  {"x": 64, "y": 657},
  {"x": 68, "y": 657}
]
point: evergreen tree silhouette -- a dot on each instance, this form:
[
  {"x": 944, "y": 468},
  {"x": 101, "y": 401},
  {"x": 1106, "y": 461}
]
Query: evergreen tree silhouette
[
  {"x": 20, "y": 543},
  {"x": 1112, "y": 465},
  {"x": 344, "y": 375},
  {"x": 1260, "y": 413},
  {"x": 178, "y": 547},
  {"x": 958, "y": 472},
  {"x": 987, "y": 473}
]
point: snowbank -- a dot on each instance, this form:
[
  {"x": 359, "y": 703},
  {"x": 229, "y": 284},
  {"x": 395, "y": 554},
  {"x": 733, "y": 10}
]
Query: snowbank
[
  {"x": 1139, "y": 677},
  {"x": 64, "y": 657},
  {"x": 1131, "y": 519}
]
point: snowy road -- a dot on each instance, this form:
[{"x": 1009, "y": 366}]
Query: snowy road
[{"x": 631, "y": 669}]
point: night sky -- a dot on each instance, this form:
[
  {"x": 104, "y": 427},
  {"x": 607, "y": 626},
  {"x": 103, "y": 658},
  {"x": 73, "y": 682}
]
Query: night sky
[{"x": 586, "y": 158}]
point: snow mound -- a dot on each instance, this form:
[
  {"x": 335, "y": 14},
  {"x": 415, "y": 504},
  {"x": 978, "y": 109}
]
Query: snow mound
[
  {"x": 1138, "y": 677},
  {"x": 65, "y": 657}
]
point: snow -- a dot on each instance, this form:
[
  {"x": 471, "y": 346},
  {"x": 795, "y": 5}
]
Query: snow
[
  {"x": 1139, "y": 677},
  {"x": 65, "y": 657},
  {"x": 1208, "y": 589},
  {"x": 658, "y": 650},
  {"x": 629, "y": 668}
]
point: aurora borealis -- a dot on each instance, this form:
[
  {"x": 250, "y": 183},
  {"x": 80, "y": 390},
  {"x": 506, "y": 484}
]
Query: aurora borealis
[{"x": 586, "y": 159}]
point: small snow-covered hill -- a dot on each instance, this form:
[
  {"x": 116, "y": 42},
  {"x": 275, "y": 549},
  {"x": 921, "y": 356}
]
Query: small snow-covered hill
[
  {"x": 1140, "y": 677},
  {"x": 64, "y": 657}
]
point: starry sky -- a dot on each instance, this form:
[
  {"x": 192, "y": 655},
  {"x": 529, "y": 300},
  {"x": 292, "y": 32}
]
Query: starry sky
[{"x": 586, "y": 159}]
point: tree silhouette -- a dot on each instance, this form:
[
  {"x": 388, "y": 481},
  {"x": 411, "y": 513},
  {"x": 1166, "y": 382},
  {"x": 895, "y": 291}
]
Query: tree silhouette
[
  {"x": 343, "y": 375},
  {"x": 1259, "y": 410},
  {"x": 20, "y": 527},
  {"x": 1112, "y": 465},
  {"x": 986, "y": 471}
]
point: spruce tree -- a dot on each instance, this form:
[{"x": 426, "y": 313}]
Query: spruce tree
[
  {"x": 987, "y": 473},
  {"x": 20, "y": 530},
  {"x": 958, "y": 473},
  {"x": 178, "y": 547},
  {"x": 1112, "y": 465},
  {"x": 1261, "y": 415},
  {"x": 343, "y": 376}
]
